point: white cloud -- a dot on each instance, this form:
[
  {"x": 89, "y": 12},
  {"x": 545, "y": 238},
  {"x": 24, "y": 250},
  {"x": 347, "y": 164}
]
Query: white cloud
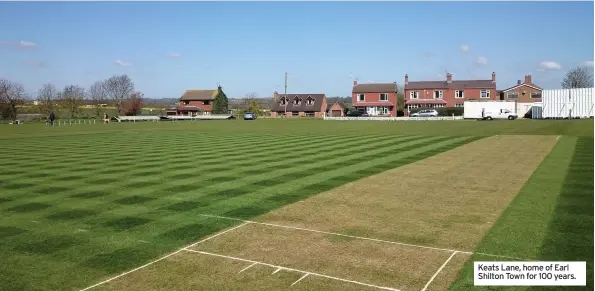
[
  {"x": 464, "y": 48},
  {"x": 549, "y": 65},
  {"x": 481, "y": 60},
  {"x": 123, "y": 63},
  {"x": 588, "y": 63},
  {"x": 173, "y": 55},
  {"x": 24, "y": 43},
  {"x": 21, "y": 44}
]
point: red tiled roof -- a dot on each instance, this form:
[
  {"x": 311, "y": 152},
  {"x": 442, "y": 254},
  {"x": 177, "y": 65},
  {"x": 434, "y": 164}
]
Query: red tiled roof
[
  {"x": 375, "y": 88},
  {"x": 377, "y": 103},
  {"x": 456, "y": 84},
  {"x": 425, "y": 101}
]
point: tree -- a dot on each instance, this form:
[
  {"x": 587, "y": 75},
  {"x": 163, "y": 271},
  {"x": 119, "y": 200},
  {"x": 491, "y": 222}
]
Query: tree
[
  {"x": 72, "y": 98},
  {"x": 119, "y": 88},
  {"x": 252, "y": 104},
  {"x": 98, "y": 95},
  {"x": 220, "y": 103},
  {"x": 48, "y": 98},
  {"x": 133, "y": 104},
  {"x": 579, "y": 77},
  {"x": 11, "y": 96}
]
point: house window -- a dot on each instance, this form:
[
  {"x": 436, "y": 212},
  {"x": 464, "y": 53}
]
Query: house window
[
  {"x": 459, "y": 94},
  {"x": 206, "y": 102},
  {"x": 283, "y": 101},
  {"x": 383, "y": 97},
  {"x": 414, "y": 95},
  {"x": 512, "y": 95},
  {"x": 437, "y": 94},
  {"x": 361, "y": 97},
  {"x": 413, "y": 106},
  {"x": 536, "y": 95},
  {"x": 310, "y": 101},
  {"x": 309, "y": 114},
  {"x": 295, "y": 113},
  {"x": 485, "y": 93},
  {"x": 459, "y": 105},
  {"x": 296, "y": 100}
]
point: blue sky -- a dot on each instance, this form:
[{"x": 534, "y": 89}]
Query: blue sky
[{"x": 167, "y": 47}]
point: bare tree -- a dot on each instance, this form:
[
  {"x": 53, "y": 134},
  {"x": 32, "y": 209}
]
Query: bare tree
[
  {"x": 579, "y": 77},
  {"x": 48, "y": 98},
  {"x": 11, "y": 96},
  {"x": 118, "y": 89},
  {"x": 72, "y": 98},
  {"x": 98, "y": 95}
]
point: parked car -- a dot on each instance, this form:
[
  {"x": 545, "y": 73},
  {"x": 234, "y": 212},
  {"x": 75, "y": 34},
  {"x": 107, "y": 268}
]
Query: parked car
[
  {"x": 425, "y": 113},
  {"x": 501, "y": 114},
  {"x": 357, "y": 113},
  {"x": 249, "y": 116}
]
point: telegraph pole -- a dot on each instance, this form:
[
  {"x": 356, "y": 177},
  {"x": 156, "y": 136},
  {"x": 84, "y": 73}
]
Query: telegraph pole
[{"x": 286, "y": 94}]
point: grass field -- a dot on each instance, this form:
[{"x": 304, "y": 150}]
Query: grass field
[{"x": 316, "y": 205}]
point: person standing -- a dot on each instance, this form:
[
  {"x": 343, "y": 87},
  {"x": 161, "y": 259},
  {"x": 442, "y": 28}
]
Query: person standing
[{"x": 52, "y": 118}]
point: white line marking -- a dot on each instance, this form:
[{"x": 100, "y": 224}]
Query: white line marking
[
  {"x": 558, "y": 137},
  {"x": 360, "y": 237},
  {"x": 275, "y": 272},
  {"x": 295, "y": 270},
  {"x": 300, "y": 279},
  {"x": 439, "y": 270},
  {"x": 244, "y": 269},
  {"x": 162, "y": 258}
]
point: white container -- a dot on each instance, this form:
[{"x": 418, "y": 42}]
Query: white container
[{"x": 567, "y": 103}]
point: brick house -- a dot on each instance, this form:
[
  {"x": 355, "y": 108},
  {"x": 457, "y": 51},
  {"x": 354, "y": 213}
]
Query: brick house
[
  {"x": 335, "y": 110},
  {"x": 525, "y": 92},
  {"x": 377, "y": 99},
  {"x": 312, "y": 105},
  {"x": 447, "y": 93},
  {"x": 194, "y": 102}
]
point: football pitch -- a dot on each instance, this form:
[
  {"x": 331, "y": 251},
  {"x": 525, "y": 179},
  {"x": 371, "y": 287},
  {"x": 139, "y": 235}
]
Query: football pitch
[{"x": 290, "y": 204}]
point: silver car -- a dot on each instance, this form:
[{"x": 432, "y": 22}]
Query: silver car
[{"x": 425, "y": 113}]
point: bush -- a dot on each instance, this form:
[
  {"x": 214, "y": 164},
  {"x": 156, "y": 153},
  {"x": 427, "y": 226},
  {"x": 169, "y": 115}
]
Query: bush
[{"x": 443, "y": 111}]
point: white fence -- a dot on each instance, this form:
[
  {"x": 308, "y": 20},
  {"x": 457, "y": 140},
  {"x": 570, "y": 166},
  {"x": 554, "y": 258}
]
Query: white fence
[
  {"x": 199, "y": 117},
  {"x": 137, "y": 118},
  {"x": 395, "y": 118},
  {"x": 567, "y": 103}
]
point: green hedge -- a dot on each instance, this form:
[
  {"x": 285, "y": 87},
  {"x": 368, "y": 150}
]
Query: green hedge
[{"x": 443, "y": 111}]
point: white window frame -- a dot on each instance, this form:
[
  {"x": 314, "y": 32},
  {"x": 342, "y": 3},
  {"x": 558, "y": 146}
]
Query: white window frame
[
  {"x": 310, "y": 100},
  {"x": 512, "y": 93},
  {"x": 413, "y": 106},
  {"x": 459, "y": 105},
  {"x": 487, "y": 93},
  {"x": 531, "y": 95},
  {"x": 413, "y": 95},
  {"x": 385, "y": 95},
  {"x": 460, "y": 94},
  {"x": 440, "y": 94},
  {"x": 361, "y": 97}
]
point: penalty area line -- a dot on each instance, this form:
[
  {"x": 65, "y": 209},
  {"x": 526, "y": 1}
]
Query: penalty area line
[{"x": 164, "y": 257}]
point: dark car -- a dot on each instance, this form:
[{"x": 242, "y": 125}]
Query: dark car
[{"x": 357, "y": 113}]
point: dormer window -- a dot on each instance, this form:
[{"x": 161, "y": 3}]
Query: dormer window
[
  {"x": 283, "y": 101},
  {"x": 309, "y": 100},
  {"x": 296, "y": 100}
]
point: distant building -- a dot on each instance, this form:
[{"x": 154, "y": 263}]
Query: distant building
[
  {"x": 312, "y": 105},
  {"x": 377, "y": 99},
  {"x": 447, "y": 93},
  {"x": 195, "y": 102}
]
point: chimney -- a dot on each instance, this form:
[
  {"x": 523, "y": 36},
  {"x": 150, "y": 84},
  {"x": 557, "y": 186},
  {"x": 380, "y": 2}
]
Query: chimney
[
  {"x": 354, "y": 82},
  {"x": 527, "y": 79},
  {"x": 219, "y": 88},
  {"x": 406, "y": 79},
  {"x": 518, "y": 82},
  {"x": 448, "y": 78},
  {"x": 493, "y": 77}
]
